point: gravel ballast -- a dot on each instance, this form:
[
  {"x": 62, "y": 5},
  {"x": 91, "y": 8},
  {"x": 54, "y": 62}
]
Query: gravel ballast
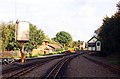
[
  {"x": 40, "y": 71},
  {"x": 81, "y": 67}
]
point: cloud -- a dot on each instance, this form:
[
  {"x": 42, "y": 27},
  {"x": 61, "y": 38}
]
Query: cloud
[{"x": 78, "y": 17}]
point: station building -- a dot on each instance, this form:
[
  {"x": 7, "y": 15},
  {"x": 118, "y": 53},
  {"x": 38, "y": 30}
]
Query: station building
[
  {"x": 46, "y": 48},
  {"x": 94, "y": 44},
  {"x": 82, "y": 45}
]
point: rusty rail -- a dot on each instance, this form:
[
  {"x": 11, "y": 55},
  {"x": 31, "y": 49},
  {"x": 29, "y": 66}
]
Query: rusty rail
[{"x": 55, "y": 71}]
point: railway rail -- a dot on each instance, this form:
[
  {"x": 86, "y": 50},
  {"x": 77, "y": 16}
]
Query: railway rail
[
  {"x": 55, "y": 72},
  {"x": 17, "y": 72},
  {"x": 20, "y": 70}
]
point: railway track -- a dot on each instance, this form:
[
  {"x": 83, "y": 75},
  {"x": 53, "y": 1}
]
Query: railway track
[
  {"x": 18, "y": 72},
  {"x": 55, "y": 72},
  {"x": 23, "y": 69}
]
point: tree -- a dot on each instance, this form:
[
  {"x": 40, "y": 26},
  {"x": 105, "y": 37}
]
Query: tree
[
  {"x": 7, "y": 37},
  {"x": 118, "y": 5},
  {"x": 36, "y": 37},
  {"x": 75, "y": 44},
  {"x": 109, "y": 32},
  {"x": 63, "y": 38}
]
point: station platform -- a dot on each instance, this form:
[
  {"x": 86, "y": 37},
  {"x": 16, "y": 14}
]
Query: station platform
[{"x": 45, "y": 56}]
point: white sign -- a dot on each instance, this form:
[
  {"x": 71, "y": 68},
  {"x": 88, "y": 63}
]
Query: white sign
[{"x": 22, "y": 31}]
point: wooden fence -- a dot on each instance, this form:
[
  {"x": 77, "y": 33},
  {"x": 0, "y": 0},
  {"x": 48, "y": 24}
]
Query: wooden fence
[{"x": 10, "y": 54}]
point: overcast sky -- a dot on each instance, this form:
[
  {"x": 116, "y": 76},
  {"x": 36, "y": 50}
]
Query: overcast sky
[{"x": 78, "y": 17}]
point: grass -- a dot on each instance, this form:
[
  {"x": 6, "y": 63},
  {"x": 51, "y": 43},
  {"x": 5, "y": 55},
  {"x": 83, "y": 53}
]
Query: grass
[
  {"x": 59, "y": 51},
  {"x": 37, "y": 55},
  {"x": 113, "y": 59}
]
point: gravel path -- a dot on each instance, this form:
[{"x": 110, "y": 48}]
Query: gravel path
[{"x": 81, "y": 67}]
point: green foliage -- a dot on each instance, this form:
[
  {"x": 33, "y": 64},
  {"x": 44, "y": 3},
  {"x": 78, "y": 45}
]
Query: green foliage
[
  {"x": 7, "y": 37},
  {"x": 109, "y": 32},
  {"x": 75, "y": 44},
  {"x": 36, "y": 37},
  {"x": 50, "y": 40},
  {"x": 63, "y": 38},
  {"x": 118, "y": 5}
]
